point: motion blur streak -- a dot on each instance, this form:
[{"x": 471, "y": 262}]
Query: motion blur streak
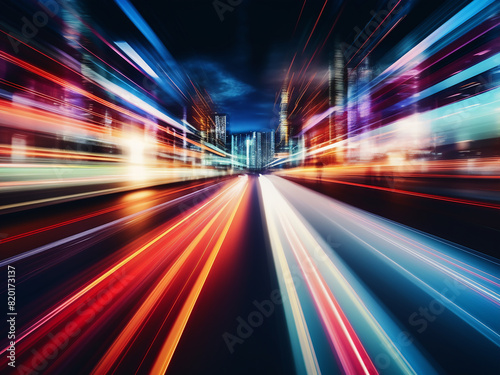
[
  {"x": 163, "y": 216},
  {"x": 127, "y": 335},
  {"x": 175, "y": 333},
  {"x": 218, "y": 212},
  {"x": 396, "y": 252},
  {"x": 398, "y": 191},
  {"x": 83, "y": 235},
  {"x": 352, "y": 356},
  {"x": 295, "y": 317},
  {"x": 93, "y": 214}
]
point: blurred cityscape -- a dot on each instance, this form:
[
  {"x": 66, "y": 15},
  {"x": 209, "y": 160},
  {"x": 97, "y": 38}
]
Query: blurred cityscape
[
  {"x": 71, "y": 95},
  {"x": 368, "y": 192}
]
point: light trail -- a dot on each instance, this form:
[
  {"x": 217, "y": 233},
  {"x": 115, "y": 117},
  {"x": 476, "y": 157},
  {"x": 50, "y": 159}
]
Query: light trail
[
  {"x": 406, "y": 192},
  {"x": 168, "y": 349},
  {"x": 120, "y": 92},
  {"x": 194, "y": 229},
  {"x": 419, "y": 258},
  {"x": 297, "y": 324},
  {"x": 374, "y": 31},
  {"x": 347, "y": 346},
  {"x": 90, "y": 215},
  {"x": 314, "y": 27}
]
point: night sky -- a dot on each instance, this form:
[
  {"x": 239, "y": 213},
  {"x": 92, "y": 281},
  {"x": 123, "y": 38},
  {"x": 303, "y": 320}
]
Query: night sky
[{"x": 241, "y": 59}]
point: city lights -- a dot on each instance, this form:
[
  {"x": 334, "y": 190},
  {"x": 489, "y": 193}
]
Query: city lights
[{"x": 250, "y": 187}]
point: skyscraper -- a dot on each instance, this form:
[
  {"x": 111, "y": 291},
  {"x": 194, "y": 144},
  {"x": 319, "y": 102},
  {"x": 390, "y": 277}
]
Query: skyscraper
[
  {"x": 267, "y": 148},
  {"x": 339, "y": 93},
  {"x": 258, "y": 149},
  {"x": 238, "y": 150},
  {"x": 284, "y": 130},
  {"x": 220, "y": 121},
  {"x": 364, "y": 106},
  {"x": 253, "y": 150}
]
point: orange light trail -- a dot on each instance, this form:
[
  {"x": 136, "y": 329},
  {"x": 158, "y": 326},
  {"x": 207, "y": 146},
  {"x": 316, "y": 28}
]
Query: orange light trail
[
  {"x": 298, "y": 19},
  {"x": 90, "y": 215},
  {"x": 170, "y": 345},
  {"x": 87, "y": 94},
  {"x": 367, "y": 39},
  {"x": 315, "y": 24},
  {"x": 136, "y": 263},
  {"x": 412, "y": 193}
]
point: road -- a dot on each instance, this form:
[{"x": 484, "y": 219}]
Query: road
[{"x": 246, "y": 275}]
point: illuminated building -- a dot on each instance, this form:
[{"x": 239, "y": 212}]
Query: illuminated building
[
  {"x": 238, "y": 150},
  {"x": 283, "y": 127},
  {"x": 253, "y": 150},
  {"x": 205, "y": 129},
  {"x": 364, "y": 101},
  {"x": 364, "y": 111},
  {"x": 268, "y": 148},
  {"x": 336, "y": 98},
  {"x": 220, "y": 126},
  {"x": 358, "y": 108},
  {"x": 339, "y": 93},
  {"x": 352, "y": 103}
]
